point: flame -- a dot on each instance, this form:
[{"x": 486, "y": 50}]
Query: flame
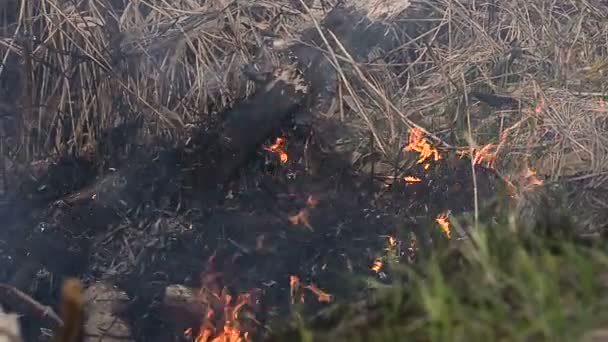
[
  {"x": 412, "y": 179},
  {"x": 443, "y": 222},
  {"x": 230, "y": 331},
  {"x": 487, "y": 154},
  {"x": 279, "y": 148},
  {"x": 377, "y": 265},
  {"x": 294, "y": 288},
  {"x": 302, "y": 217},
  {"x": 418, "y": 143},
  {"x": 530, "y": 178},
  {"x": 322, "y": 296}
]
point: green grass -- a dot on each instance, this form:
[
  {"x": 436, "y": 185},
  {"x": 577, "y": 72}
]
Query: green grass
[{"x": 503, "y": 284}]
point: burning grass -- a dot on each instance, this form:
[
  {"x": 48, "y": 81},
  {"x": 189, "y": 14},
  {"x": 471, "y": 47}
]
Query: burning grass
[{"x": 513, "y": 98}]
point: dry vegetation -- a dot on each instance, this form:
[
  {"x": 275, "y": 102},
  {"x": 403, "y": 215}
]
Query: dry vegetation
[
  {"x": 72, "y": 69},
  {"x": 525, "y": 79}
]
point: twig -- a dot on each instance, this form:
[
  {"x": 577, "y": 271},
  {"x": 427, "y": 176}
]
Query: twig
[{"x": 26, "y": 304}]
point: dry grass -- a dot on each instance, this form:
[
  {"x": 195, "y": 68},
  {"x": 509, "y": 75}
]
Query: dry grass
[{"x": 86, "y": 66}]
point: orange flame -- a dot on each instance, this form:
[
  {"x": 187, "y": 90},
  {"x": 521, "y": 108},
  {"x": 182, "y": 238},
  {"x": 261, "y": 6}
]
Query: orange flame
[
  {"x": 294, "y": 286},
  {"x": 322, "y": 296},
  {"x": 377, "y": 265},
  {"x": 412, "y": 179},
  {"x": 531, "y": 179},
  {"x": 230, "y": 331},
  {"x": 487, "y": 154},
  {"x": 302, "y": 217},
  {"x": 443, "y": 222},
  {"x": 418, "y": 143},
  {"x": 279, "y": 148}
]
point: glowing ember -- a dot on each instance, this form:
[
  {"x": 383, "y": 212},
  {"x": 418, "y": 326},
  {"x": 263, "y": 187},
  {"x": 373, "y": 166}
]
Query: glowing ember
[
  {"x": 412, "y": 179},
  {"x": 486, "y": 155},
  {"x": 418, "y": 143},
  {"x": 377, "y": 265},
  {"x": 279, "y": 148},
  {"x": 322, "y": 296},
  {"x": 443, "y": 222},
  {"x": 302, "y": 217}
]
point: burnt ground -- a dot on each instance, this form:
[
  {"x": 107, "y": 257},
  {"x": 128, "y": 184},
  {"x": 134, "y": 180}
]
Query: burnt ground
[{"x": 156, "y": 220}]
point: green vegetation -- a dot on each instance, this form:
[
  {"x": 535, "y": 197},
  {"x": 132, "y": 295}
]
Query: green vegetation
[{"x": 502, "y": 284}]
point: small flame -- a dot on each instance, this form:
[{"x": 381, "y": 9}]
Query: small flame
[
  {"x": 295, "y": 286},
  {"x": 412, "y": 179},
  {"x": 486, "y": 155},
  {"x": 377, "y": 265},
  {"x": 531, "y": 179},
  {"x": 443, "y": 222},
  {"x": 279, "y": 148},
  {"x": 302, "y": 217},
  {"x": 418, "y": 143},
  {"x": 322, "y": 296}
]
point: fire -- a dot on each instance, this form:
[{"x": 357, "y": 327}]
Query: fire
[
  {"x": 443, "y": 222},
  {"x": 530, "y": 178},
  {"x": 322, "y": 296},
  {"x": 230, "y": 331},
  {"x": 295, "y": 289},
  {"x": 418, "y": 143},
  {"x": 412, "y": 179},
  {"x": 296, "y": 294},
  {"x": 302, "y": 217},
  {"x": 279, "y": 148},
  {"x": 377, "y": 265},
  {"x": 487, "y": 154}
]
